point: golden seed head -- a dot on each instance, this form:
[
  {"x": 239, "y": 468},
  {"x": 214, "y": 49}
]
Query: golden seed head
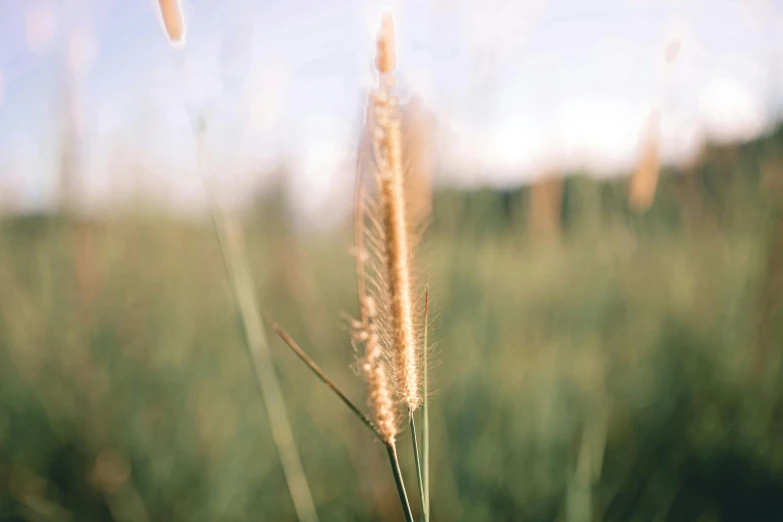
[
  {"x": 395, "y": 223},
  {"x": 643, "y": 185},
  {"x": 386, "y": 57},
  {"x": 173, "y": 21},
  {"x": 374, "y": 368},
  {"x": 379, "y": 388}
]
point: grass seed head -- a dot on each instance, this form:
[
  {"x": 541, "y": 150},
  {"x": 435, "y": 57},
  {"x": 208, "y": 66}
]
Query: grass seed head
[
  {"x": 395, "y": 222},
  {"x": 173, "y": 20},
  {"x": 641, "y": 191},
  {"x": 386, "y": 59}
]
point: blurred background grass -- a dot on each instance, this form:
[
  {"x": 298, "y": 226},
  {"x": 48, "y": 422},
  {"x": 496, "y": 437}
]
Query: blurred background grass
[{"x": 620, "y": 367}]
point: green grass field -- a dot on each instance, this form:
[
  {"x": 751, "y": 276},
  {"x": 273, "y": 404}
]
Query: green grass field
[{"x": 625, "y": 370}]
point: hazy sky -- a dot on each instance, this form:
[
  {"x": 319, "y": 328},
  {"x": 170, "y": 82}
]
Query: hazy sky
[{"x": 517, "y": 86}]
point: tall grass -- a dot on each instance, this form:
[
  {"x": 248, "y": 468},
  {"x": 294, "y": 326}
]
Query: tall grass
[
  {"x": 656, "y": 327},
  {"x": 242, "y": 285},
  {"x": 630, "y": 371},
  {"x": 383, "y": 228}
]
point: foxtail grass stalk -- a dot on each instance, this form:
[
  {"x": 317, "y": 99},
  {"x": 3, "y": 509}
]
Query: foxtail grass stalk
[
  {"x": 395, "y": 219},
  {"x": 241, "y": 281}
]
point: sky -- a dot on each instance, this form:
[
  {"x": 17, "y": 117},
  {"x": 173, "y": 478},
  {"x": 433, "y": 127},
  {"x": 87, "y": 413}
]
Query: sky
[{"x": 518, "y": 88}]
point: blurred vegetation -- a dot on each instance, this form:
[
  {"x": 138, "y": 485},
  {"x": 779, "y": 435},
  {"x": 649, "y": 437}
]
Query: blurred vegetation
[{"x": 627, "y": 368}]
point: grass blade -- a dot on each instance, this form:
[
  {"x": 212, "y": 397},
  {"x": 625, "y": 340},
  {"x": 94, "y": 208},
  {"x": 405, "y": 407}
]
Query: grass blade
[
  {"x": 417, "y": 460},
  {"x": 425, "y": 423},
  {"x": 321, "y": 375},
  {"x": 242, "y": 286}
]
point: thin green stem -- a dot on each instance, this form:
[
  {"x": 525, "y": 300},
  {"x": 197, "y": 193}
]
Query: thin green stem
[
  {"x": 321, "y": 375},
  {"x": 241, "y": 281},
  {"x": 395, "y": 464},
  {"x": 425, "y": 424},
  {"x": 416, "y": 459}
]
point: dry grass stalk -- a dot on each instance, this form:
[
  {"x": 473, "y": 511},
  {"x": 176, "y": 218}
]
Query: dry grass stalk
[
  {"x": 385, "y": 296},
  {"x": 173, "y": 20},
  {"x": 644, "y": 182},
  {"x": 393, "y": 229},
  {"x": 546, "y": 204},
  {"x": 416, "y": 130}
]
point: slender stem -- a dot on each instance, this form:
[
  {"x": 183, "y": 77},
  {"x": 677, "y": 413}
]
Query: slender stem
[
  {"x": 425, "y": 425},
  {"x": 416, "y": 459},
  {"x": 321, "y": 375},
  {"x": 241, "y": 281},
  {"x": 395, "y": 464}
]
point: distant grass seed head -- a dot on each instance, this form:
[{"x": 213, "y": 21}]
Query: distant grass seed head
[
  {"x": 173, "y": 20},
  {"x": 643, "y": 184}
]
